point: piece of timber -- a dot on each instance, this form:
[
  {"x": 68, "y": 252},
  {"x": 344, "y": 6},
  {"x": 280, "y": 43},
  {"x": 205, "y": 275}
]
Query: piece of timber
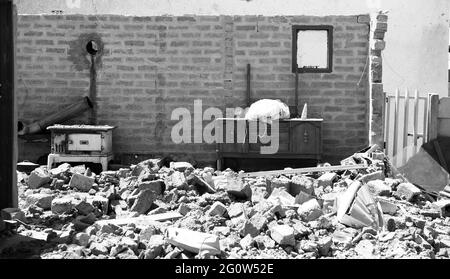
[
  {"x": 143, "y": 219},
  {"x": 306, "y": 170}
]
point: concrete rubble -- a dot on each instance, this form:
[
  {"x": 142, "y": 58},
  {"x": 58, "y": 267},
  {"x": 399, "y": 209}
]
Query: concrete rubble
[{"x": 154, "y": 210}]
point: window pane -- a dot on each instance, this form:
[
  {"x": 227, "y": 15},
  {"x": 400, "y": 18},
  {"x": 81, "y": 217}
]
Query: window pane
[{"x": 312, "y": 49}]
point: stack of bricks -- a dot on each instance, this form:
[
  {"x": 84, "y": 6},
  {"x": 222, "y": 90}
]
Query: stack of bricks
[
  {"x": 378, "y": 27},
  {"x": 152, "y": 65}
]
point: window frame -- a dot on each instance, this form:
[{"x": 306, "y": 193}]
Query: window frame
[{"x": 295, "y": 30}]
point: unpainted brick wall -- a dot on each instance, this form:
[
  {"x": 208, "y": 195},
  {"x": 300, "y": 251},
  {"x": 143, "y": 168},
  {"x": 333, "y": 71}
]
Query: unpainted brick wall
[{"x": 152, "y": 65}]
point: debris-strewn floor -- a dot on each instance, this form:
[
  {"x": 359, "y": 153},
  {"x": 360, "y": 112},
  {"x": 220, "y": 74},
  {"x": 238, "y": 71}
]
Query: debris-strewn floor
[{"x": 152, "y": 211}]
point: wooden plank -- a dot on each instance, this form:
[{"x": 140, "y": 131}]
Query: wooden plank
[
  {"x": 387, "y": 110},
  {"x": 444, "y": 107},
  {"x": 405, "y": 128},
  {"x": 416, "y": 119},
  {"x": 305, "y": 170},
  {"x": 425, "y": 121},
  {"x": 143, "y": 219},
  {"x": 193, "y": 241},
  {"x": 433, "y": 111},
  {"x": 396, "y": 118},
  {"x": 8, "y": 121}
]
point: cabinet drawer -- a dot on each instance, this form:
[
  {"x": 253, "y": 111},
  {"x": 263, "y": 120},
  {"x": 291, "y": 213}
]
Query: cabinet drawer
[{"x": 84, "y": 142}]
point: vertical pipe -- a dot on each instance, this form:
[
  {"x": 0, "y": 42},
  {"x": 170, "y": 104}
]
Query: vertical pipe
[
  {"x": 93, "y": 91},
  {"x": 396, "y": 107},
  {"x": 296, "y": 94},
  {"x": 416, "y": 119},
  {"x": 405, "y": 128},
  {"x": 248, "y": 85}
]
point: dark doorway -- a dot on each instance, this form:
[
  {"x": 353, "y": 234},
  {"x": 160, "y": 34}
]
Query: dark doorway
[{"x": 8, "y": 123}]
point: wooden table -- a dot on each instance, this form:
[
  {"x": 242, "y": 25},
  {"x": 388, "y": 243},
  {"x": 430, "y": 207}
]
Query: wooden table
[{"x": 298, "y": 139}]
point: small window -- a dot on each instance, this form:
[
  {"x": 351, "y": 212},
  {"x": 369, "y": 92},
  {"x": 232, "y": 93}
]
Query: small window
[{"x": 312, "y": 48}]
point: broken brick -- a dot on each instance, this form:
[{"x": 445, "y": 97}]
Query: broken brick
[
  {"x": 379, "y": 188},
  {"x": 264, "y": 242},
  {"x": 84, "y": 207},
  {"x": 282, "y": 197},
  {"x": 327, "y": 179},
  {"x": 235, "y": 210},
  {"x": 283, "y": 235},
  {"x": 82, "y": 239},
  {"x": 156, "y": 186},
  {"x": 300, "y": 230},
  {"x": 81, "y": 182},
  {"x": 101, "y": 203},
  {"x": 372, "y": 176},
  {"x": 218, "y": 209},
  {"x": 443, "y": 206},
  {"x": 155, "y": 247},
  {"x": 62, "y": 205},
  {"x": 176, "y": 180},
  {"x": 324, "y": 245},
  {"x": 38, "y": 178},
  {"x": 388, "y": 207},
  {"x": 301, "y": 183},
  {"x": 254, "y": 225},
  {"x": 247, "y": 242},
  {"x": 43, "y": 201},
  {"x": 181, "y": 166},
  {"x": 310, "y": 210},
  {"x": 258, "y": 194},
  {"x": 407, "y": 191},
  {"x": 280, "y": 182},
  {"x": 143, "y": 201}
]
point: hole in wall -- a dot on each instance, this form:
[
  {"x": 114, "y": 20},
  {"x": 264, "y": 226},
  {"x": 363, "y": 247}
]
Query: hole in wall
[
  {"x": 20, "y": 126},
  {"x": 92, "y": 47}
]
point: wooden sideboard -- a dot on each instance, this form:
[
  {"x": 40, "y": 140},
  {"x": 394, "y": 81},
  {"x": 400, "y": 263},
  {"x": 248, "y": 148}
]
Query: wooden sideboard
[{"x": 298, "y": 139}]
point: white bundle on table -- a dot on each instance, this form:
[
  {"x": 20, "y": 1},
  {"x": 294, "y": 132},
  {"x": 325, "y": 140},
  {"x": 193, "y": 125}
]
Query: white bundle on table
[{"x": 267, "y": 110}]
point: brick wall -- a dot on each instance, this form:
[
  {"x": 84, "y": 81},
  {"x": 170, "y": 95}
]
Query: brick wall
[{"x": 151, "y": 65}]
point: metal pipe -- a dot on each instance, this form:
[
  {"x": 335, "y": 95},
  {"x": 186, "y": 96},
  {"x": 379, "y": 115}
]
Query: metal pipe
[
  {"x": 93, "y": 90},
  {"x": 297, "y": 111},
  {"x": 55, "y": 118},
  {"x": 248, "y": 85}
]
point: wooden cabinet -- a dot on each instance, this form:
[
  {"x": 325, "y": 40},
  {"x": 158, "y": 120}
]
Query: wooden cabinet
[{"x": 243, "y": 139}]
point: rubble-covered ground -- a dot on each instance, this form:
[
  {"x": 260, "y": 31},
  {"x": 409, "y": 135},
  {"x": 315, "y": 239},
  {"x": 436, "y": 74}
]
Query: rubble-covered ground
[{"x": 152, "y": 211}]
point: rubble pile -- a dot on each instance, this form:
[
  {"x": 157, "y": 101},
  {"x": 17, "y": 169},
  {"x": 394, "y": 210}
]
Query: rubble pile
[{"x": 153, "y": 211}]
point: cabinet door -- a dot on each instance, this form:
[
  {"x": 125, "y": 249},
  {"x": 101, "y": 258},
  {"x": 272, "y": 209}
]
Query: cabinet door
[
  {"x": 234, "y": 135},
  {"x": 255, "y": 143},
  {"x": 305, "y": 138}
]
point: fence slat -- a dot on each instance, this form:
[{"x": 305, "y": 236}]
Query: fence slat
[
  {"x": 416, "y": 118},
  {"x": 396, "y": 107},
  {"x": 387, "y": 124},
  {"x": 425, "y": 121},
  {"x": 433, "y": 110},
  {"x": 405, "y": 128}
]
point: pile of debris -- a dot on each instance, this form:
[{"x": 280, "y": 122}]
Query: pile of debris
[{"x": 360, "y": 209}]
